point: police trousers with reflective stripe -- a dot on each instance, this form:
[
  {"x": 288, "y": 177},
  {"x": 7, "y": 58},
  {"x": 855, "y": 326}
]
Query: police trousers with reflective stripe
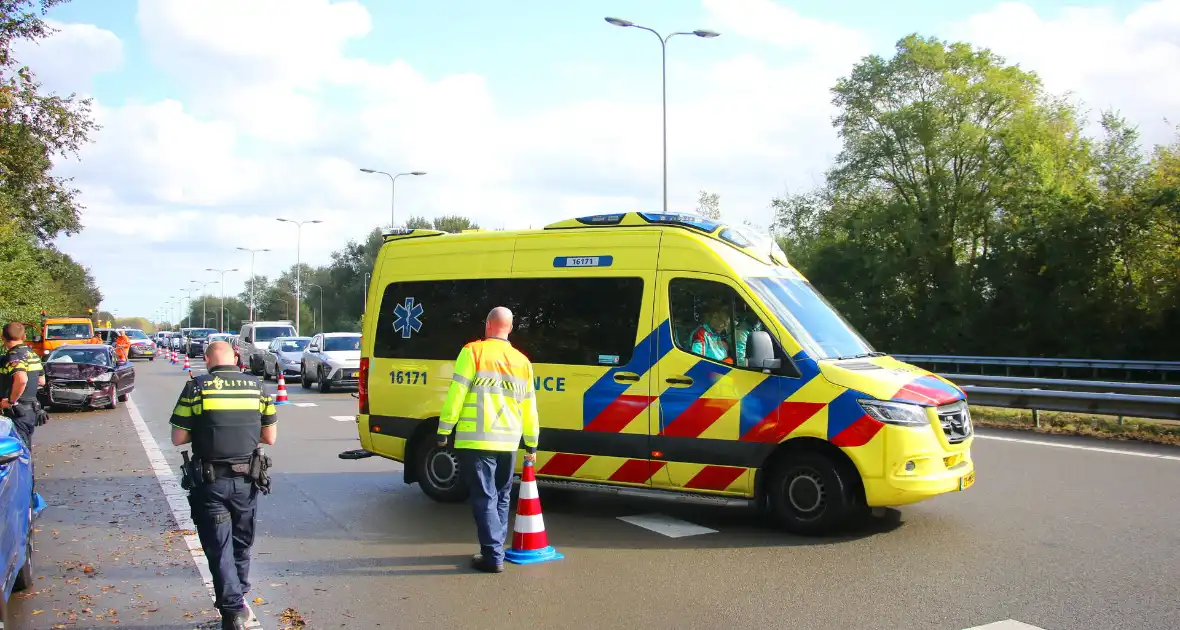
[{"x": 224, "y": 513}]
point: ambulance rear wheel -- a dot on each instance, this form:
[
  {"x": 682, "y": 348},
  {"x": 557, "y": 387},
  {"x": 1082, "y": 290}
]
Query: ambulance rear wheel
[
  {"x": 438, "y": 471},
  {"x": 810, "y": 494}
]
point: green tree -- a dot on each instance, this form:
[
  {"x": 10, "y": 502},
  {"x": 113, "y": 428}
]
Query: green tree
[
  {"x": 419, "y": 223},
  {"x": 930, "y": 230},
  {"x": 35, "y": 129},
  {"x": 20, "y": 269},
  {"x": 709, "y": 205},
  {"x": 454, "y": 224}
]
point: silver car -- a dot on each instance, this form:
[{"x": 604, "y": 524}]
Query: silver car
[
  {"x": 283, "y": 354},
  {"x": 332, "y": 360}
]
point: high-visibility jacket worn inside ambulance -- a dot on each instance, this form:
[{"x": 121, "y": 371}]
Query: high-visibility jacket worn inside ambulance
[{"x": 492, "y": 402}]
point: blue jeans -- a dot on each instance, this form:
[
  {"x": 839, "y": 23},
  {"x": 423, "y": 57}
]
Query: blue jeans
[
  {"x": 488, "y": 475},
  {"x": 224, "y": 512}
]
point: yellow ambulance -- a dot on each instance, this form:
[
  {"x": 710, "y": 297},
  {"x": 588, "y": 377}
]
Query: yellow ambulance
[{"x": 673, "y": 354}]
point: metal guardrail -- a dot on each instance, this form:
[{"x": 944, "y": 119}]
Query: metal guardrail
[
  {"x": 1136, "y": 406},
  {"x": 1099, "y": 364},
  {"x": 1065, "y": 385}
]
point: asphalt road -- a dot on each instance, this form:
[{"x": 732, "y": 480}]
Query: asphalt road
[{"x": 1053, "y": 534}]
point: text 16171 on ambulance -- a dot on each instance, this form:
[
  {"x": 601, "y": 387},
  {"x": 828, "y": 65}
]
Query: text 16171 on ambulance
[{"x": 673, "y": 354}]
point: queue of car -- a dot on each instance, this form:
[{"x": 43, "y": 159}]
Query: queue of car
[{"x": 271, "y": 348}]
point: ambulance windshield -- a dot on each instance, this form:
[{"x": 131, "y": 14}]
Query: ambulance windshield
[{"x": 822, "y": 332}]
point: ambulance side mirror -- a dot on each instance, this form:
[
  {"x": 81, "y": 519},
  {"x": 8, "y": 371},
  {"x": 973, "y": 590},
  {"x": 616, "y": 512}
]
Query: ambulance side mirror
[{"x": 760, "y": 351}]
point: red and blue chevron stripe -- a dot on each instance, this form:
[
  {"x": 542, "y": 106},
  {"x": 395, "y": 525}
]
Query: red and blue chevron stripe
[
  {"x": 929, "y": 391},
  {"x": 604, "y": 405},
  {"x": 684, "y": 412}
]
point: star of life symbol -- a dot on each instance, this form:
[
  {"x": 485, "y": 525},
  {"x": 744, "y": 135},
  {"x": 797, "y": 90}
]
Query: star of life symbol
[{"x": 408, "y": 318}]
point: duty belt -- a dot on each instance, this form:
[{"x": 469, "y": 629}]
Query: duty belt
[{"x": 231, "y": 470}]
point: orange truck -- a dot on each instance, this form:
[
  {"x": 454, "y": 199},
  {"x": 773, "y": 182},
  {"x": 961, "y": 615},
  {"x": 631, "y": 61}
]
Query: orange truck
[{"x": 55, "y": 332}]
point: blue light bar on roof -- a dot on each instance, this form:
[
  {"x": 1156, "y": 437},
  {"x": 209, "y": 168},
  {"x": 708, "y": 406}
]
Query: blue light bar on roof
[
  {"x": 602, "y": 219},
  {"x": 687, "y": 220}
]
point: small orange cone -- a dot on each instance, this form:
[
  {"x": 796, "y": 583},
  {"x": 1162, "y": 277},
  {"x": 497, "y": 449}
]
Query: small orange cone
[
  {"x": 281, "y": 394},
  {"x": 172, "y": 356},
  {"x": 187, "y": 366},
  {"x": 530, "y": 543}
]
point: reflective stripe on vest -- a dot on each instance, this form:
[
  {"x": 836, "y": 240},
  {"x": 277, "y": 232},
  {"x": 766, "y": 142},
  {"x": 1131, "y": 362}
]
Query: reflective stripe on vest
[{"x": 498, "y": 405}]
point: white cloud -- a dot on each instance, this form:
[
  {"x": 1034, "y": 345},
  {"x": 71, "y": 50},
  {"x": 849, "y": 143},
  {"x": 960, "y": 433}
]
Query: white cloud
[
  {"x": 272, "y": 117},
  {"x": 1127, "y": 63},
  {"x": 72, "y": 56}
]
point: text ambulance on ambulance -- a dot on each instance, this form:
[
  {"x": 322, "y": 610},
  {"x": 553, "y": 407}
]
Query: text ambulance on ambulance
[{"x": 672, "y": 354}]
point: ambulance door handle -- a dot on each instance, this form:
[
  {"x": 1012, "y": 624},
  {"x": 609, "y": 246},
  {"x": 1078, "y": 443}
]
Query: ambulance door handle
[
  {"x": 683, "y": 381},
  {"x": 626, "y": 376}
]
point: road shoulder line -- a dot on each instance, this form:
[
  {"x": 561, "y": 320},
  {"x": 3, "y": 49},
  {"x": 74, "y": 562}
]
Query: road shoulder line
[{"x": 1079, "y": 447}]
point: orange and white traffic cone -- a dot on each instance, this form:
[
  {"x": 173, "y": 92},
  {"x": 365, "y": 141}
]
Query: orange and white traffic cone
[
  {"x": 187, "y": 366},
  {"x": 530, "y": 543},
  {"x": 281, "y": 394},
  {"x": 172, "y": 356}
]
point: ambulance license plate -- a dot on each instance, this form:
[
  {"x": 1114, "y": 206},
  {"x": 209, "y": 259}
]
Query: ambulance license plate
[{"x": 966, "y": 481}]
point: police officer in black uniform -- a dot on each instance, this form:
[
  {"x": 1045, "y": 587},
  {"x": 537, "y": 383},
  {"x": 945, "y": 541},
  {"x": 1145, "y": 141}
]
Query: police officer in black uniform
[
  {"x": 225, "y": 414},
  {"x": 20, "y": 376}
]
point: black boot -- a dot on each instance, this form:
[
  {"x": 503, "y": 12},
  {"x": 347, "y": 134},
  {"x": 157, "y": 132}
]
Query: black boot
[
  {"x": 479, "y": 564},
  {"x": 235, "y": 619}
]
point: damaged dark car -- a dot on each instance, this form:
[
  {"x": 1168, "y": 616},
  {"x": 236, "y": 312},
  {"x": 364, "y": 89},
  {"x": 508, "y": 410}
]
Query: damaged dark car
[{"x": 86, "y": 377}]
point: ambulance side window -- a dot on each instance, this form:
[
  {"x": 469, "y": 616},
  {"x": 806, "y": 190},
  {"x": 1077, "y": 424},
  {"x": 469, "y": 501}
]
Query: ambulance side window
[{"x": 710, "y": 320}]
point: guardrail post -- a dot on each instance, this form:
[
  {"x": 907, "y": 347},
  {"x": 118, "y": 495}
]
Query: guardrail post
[
  {"x": 1036, "y": 418},
  {"x": 1120, "y": 419}
]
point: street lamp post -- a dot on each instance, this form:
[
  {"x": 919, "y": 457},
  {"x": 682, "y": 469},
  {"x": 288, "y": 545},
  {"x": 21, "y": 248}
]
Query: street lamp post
[
  {"x": 392, "y": 190},
  {"x": 189, "y": 314},
  {"x": 286, "y": 308},
  {"x": 663, "y": 78},
  {"x": 312, "y": 284},
  {"x": 365, "y": 297},
  {"x": 221, "y": 327},
  {"x": 203, "y": 285},
  {"x": 298, "y": 271},
  {"x": 252, "y": 252}
]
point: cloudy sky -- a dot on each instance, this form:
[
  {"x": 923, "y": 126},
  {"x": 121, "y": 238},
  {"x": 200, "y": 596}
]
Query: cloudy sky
[{"x": 221, "y": 115}]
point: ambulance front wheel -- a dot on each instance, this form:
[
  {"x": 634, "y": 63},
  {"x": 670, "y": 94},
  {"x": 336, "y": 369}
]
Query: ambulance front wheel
[
  {"x": 438, "y": 472},
  {"x": 810, "y": 494}
]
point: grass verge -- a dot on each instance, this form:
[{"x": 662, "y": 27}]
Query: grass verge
[{"x": 1061, "y": 423}]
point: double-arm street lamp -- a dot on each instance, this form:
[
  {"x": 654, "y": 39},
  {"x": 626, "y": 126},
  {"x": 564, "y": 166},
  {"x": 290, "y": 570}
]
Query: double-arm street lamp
[
  {"x": 252, "y": 252},
  {"x": 392, "y": 190},
  {"x": 298, "y": 271},
  {"x": 663, "y": 78},
  {"x": 221, "y": 326}
]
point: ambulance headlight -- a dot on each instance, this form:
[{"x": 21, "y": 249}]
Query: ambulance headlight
[{"x": 897, "y": 413}]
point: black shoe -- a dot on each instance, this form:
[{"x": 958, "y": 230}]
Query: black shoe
[
  {"x": 477, "y": 563},
  {"x": 235, "y": 620}
]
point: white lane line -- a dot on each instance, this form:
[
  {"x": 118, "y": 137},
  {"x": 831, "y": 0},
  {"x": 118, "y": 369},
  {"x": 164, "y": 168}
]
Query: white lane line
[
  {"x": 344, "y": 418},
  {"x": 304, "y": 404},
  {"x": 1077, "y": 447},
  {"x": 666, "y": 525},
  {"x": 177, "y": 501},
  {"x": 1007, "y": 624}
]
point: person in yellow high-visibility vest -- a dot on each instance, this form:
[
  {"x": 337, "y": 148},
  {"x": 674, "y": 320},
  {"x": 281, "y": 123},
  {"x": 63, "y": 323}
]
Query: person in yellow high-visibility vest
[{"x": 490, "y": 407}]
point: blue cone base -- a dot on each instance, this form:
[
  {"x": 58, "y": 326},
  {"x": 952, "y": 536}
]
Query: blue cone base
[
  {"x": 532, "y": 556},
  {"x": 283, "y": 402},
  {"x": 38, "y": 503}
]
